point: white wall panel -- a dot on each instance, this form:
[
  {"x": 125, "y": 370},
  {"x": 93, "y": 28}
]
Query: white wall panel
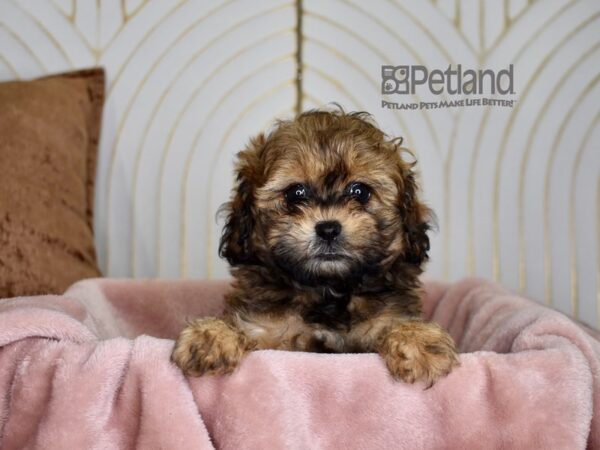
[
  {"x": 516, "y": 190},
  {"x": 500, "y": 179}
]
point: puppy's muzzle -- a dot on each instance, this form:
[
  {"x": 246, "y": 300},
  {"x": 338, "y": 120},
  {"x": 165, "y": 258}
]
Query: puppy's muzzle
[{"x": 328, "y": 230}]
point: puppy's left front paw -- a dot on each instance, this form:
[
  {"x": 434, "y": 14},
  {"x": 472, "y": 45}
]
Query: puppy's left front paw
[{"x": 418, "y": 351}]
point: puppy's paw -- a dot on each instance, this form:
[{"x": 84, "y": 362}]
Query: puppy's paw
[
  {"x": 209, "y": 346},
  {"x": 418, "y": 351}
]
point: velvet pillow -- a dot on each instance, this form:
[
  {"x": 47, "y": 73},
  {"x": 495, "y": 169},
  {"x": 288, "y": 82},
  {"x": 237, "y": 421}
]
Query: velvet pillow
[{"x": 49, "y": 131}]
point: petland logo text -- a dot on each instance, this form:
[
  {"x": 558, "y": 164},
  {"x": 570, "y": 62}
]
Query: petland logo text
[{"x": 451, "y": 81}]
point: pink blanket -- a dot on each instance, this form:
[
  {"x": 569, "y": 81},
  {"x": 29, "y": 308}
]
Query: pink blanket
[{"x": 91, "y": 370}]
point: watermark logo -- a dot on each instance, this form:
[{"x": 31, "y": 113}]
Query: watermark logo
[{"x": 452, "y": 81}]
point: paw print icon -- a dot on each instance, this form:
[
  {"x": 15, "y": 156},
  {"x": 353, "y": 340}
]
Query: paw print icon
[{"x": 395, "y": 79}]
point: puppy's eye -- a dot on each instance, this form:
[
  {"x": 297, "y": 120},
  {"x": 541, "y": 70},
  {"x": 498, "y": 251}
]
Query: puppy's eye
[
  {"x": 360, "y": 192},
  {"x": 296, "y": 193}
]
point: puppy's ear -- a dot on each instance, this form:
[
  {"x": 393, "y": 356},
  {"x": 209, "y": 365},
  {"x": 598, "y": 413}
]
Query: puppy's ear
[
  {"x": 416, "y": 218},
  {"x": 236, "y": 239}
]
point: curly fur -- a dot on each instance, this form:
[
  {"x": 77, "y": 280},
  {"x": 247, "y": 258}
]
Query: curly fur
[{"x": 357, "y": 292}]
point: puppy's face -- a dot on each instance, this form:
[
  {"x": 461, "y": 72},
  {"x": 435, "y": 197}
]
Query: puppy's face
[
  {"x": 328, "y": 206},
  {"x": 327, "y": 199}
]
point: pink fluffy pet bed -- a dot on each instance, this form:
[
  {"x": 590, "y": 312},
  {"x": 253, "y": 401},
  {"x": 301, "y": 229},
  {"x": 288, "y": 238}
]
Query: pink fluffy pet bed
[{"x": 91, "y": 370}]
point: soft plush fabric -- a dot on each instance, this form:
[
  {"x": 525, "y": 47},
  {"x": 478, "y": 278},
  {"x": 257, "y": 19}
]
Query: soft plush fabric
[
  {"x": 49, "y": 132},
  {"x": 90, "y": 369}
]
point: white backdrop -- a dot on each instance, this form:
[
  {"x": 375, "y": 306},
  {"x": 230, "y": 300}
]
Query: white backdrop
[{"x": 516, "y": 190}]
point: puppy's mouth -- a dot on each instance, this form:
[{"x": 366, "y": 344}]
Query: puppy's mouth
[
  {"x": 322, "y": 264},
  {"x": 330, "y": 260},
  {"x": 328, "y": 252}
]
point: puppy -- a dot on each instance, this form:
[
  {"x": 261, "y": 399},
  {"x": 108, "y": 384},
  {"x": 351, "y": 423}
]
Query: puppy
[{"x": 326, "y": 238}]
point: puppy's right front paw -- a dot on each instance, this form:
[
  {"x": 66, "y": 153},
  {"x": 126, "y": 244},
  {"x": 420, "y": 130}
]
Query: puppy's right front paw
[{"x": 209, "y": 346}]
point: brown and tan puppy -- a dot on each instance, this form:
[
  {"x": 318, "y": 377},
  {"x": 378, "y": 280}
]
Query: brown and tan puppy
[{"x": 326, "y": 238}]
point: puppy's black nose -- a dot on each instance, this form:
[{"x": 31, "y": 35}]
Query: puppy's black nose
[{"x": 328, "y": 230}]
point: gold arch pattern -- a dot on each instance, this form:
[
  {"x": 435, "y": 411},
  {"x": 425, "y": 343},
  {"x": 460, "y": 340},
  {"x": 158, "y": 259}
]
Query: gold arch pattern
[
  {"x": 503, "y": 146},
  {"x": 572, "y": 236},
  {"x": 214, "y": 157},
  {"x": 212, "y": 234},
  {"x": 146, "y": 142},
  {"x": 471, "y": 263},
  {"x": 193, "y": 95},
  {"x": 547, "y": 180},
  {"x": 197, "y": 22}
]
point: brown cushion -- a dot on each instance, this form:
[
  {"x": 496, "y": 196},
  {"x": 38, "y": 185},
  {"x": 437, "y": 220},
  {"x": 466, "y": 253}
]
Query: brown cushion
[{"x": 49, "y": 131}]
